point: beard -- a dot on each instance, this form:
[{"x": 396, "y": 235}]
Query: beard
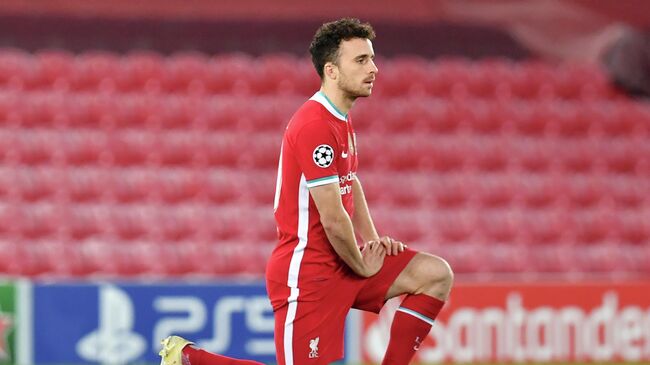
[{"x": 352, "y": 91}]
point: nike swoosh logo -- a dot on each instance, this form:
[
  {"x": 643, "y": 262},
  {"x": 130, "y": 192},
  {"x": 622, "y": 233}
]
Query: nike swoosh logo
[{"x": 344, "y": 154}]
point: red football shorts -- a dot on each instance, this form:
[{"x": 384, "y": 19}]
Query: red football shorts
[{"x": 311, "y": 329}]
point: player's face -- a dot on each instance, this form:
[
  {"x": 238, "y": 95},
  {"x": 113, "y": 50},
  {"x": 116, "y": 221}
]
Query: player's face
[{"x": 356, "y": 67}]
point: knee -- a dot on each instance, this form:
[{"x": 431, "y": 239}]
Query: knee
[
  {"x": 445, "y": 274},
  {"x": 439, "y": 277}
]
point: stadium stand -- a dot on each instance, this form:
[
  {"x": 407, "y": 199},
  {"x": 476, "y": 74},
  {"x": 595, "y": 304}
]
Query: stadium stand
[{"x": 499, "y": 166}]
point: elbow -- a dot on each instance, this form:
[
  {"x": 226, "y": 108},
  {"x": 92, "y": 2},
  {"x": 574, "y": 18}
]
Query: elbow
[{"x": 332, "y": 222}]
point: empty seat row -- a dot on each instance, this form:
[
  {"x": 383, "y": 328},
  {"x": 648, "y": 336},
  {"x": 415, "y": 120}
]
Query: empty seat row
[
  {"x": 285, "y": 74},
  {"x": 271, "y": 113},
  {"x": 488, "y": 191},
  {"x": 115, "y": 259},
  {"x": 155, "y": 221},
  {"x": 106, "y": 258},
  {"x": 137, "y": 221}
]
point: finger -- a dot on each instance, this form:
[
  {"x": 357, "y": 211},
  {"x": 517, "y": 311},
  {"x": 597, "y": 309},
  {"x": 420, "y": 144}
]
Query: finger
[
  {"x": 402, "y": 246},
  {"x": 381, "y": 250},
  {"x": 385, "y": 243}
]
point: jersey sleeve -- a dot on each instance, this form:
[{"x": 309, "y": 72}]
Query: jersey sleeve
[{"x": 316, "y": 152}]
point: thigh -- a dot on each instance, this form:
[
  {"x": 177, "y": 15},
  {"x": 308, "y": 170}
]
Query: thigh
[
  {"x": 373, "y": 294},
  {"x": 421, "y": 275}
]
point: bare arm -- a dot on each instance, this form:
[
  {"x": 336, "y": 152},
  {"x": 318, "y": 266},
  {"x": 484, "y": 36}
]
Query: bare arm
[
  {"x": 340, "y": 232},
  {"x": 362, "y": 220},
  {"x": 364, "y": 225}
]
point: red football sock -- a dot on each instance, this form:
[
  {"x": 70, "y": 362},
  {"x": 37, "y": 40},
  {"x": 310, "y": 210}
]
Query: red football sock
[
  {"x": 410, "y": 327},
  {"x": 196, "y": 356}
]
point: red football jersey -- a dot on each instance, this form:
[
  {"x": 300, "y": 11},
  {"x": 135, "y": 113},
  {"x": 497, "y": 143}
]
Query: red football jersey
[{"x": 319, "y": 147}]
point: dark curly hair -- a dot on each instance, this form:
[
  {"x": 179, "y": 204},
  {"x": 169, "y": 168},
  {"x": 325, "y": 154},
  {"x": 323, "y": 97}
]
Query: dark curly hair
[{"x": 325, "y": 45}]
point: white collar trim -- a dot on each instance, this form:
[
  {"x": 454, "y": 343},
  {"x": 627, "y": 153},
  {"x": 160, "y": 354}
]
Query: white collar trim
[{"x": 322, "y": 99}]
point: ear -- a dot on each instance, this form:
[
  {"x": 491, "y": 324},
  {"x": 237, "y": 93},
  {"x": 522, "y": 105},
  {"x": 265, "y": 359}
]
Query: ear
[{"x": 330, "y": 71}]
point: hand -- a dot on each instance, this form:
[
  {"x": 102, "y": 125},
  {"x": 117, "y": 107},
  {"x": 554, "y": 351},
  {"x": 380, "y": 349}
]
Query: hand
[
  {"x": 392, "y": 246},
  {"x": 373, "y": 255}
]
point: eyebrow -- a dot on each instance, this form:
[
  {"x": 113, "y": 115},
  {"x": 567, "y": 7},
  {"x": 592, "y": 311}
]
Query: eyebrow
[{"x": 365, "y": 55}]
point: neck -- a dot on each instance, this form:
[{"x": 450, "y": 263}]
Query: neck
[{"x": 342, "y": 102}]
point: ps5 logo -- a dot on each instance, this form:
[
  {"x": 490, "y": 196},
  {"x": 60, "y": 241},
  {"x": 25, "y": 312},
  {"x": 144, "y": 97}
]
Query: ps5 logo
[
  {"x": 114, "y": 341},
  {"x": 257, "y": 311}
]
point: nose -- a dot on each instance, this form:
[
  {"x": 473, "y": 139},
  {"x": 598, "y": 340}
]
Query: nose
[{"x": 373, "y": 67}]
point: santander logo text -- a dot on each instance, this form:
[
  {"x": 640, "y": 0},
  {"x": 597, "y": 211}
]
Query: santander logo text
[{"x": 517, "y": 331}]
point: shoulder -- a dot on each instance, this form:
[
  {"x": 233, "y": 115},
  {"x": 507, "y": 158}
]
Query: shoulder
[{"x": 311, "y": 115}]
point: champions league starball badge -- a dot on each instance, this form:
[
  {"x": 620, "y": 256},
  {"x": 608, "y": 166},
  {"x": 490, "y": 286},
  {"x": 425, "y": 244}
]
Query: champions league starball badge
[{"x": 323, "y": 155}]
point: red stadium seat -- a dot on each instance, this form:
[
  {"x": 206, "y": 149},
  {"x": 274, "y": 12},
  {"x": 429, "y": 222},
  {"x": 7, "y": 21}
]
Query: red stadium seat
[
  {"x": 555, "y": 258},
  {"x": 261, "y": 151},
  {"x": 87, "y": 221},
  {"x": 263, "y": 231},
  {"x": 495, "y": 190},
  {"x": 404, "y": 76},
  {"x": 506, "y": 258},
  {"x": 8, "y": 186},
  {"x": 464, "y": 258},
  {"x": 224, "y": 149},
  {"x": 491, "y": 79},
  {"x": 598, "y": 258},
  {"x": 593, "y": 226},
  {"x": 38, "y": 184},
  {"x": 37, "y": 147},
  {"x": 85, "y": 148},
  {"x": 274, "y": 74},
  {"x": 16, "y": 69},
  {"x": 540, "y": 191},
  {"x": 95, "y": 71},
  {"x": 133, "y": 112},
  {"x": 182, "y": 222},
  {"x": 39, "y": 221},
  {"x": 9, "y": 259},
  {"x": 225, "y": 223},
  {"x": 585, "y": 191},
  {"x": 579, "y": 157},
  {"x": 131, "y": 148},
  {"x": 131, "y": 222},
  {"x": 451, "y": 190},
  {"x": 532, "y": 155},
  {"x": 453, "y": 225},
  {"x": 96, "y": 257},
  {"x": 177, "y": 148},
  {"x": 222, "y": 186},
  {"x": 497, "y": 226},
  {"x": 55, "y": 68},
  {"x": 229, "y": 74},
  {"x": 179, "y": 185},
  {"x": 185, "y": 72},
  {"x": 256, "y": 187},
  {"x": 447, "y": 78},
  {"x": 91, "y": 111},
  {"x": 177, "y": 113},
  {"x": 547, "y": 227},
  {"x": 487, "y": 154},
  {"x": 407, "y": 225},
  {"x": 130, "y": 185},
  {"x": 633, "y": 227},
  {"x": 628, "y": 191},
  {"x": 86, "y": 184},
  {"x": 42, "y": 111},
  {"x": 141, "y": 71},
  {"x": 10, "y": 218}
]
